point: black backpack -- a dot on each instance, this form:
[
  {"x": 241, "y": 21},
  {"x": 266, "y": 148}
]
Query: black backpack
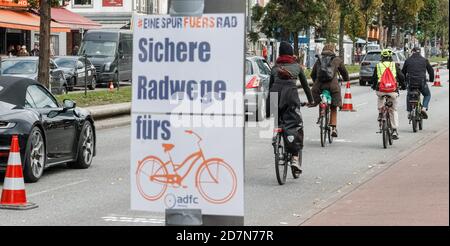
[{"x": 326, "y": 71}]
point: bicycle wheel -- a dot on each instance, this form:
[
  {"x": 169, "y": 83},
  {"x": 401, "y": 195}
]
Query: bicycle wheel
[
  {"x": 421, "y": 124},
  {"x": 385, "y": 134},
  {"x": 420, "y": 118},
  {"x": 151, "y": 175},
  {"x": 216, "y": 181},
  {"x": 280, "y": 160},
  {"x": 414, "y": 120},
  {"x": 323, "y": 130},
  {"x": 389, "y": 131},
  {"x": 330, "y": 138},
  {"x": 295, "y": 174}
]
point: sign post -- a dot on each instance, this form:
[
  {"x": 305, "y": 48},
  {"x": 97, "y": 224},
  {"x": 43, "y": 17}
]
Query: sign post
[{"x": 187, "y": 144}]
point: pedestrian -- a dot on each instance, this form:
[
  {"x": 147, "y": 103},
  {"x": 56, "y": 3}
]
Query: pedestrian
[
  {"x": 415, "y": 69},
  {"x": 35, "y": 51},
  {"x": 23, "y": 51},
  {"x": 75, "y": 50},
  {"x": 283, "y": 86},
  {"x": 264, "y": 52},
  {"x": 333, "y": 65},
  {"x": 387, "y": 79},
  {"x": 11, "y": 51},
  {"x": 17, "y": 50}
]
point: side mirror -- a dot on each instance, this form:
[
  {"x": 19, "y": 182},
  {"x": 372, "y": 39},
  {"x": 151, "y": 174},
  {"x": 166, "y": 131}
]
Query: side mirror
[{"x": 68, "y": 104}]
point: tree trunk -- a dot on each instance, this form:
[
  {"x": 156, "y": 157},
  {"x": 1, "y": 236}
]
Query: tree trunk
[
  {"x": 44, "y": 43},
  {"x": 341, "y": 34},
  {"x": 381, "y": 29},
  {"x": 296, "y": 48}
]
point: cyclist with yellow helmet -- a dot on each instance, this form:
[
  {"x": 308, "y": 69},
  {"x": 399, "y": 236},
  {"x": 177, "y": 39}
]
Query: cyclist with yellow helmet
[{"x": 387, "y": 79}]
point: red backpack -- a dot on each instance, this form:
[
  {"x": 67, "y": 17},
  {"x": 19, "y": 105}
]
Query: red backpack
[{"x": 388, "y": 83}]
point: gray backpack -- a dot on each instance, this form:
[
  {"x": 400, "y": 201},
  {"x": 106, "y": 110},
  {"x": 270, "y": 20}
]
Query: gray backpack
[{"x": 326, "y": 70}]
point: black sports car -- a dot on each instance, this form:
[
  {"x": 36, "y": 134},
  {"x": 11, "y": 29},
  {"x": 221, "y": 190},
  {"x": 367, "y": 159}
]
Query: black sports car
[{"x": 49, "y": 133}]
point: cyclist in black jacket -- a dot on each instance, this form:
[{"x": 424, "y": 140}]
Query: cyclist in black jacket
[{"x": 415, "y": 70}]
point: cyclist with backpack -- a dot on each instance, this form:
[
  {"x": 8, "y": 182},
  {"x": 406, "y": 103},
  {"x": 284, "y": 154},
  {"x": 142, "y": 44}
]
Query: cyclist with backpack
[
  {"x": 324, "y": 74},
  {"x": 283, "y": 85},
  {"x": 387, "y": 79},
  {"x": 415, "y": 69}
]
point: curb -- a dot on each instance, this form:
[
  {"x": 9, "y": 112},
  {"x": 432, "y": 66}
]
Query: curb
[{"x": 109, "y": 111}]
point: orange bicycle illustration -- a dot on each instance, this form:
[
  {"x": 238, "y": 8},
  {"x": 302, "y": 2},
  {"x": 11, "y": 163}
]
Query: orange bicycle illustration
[{"x": 214, "y": 179}]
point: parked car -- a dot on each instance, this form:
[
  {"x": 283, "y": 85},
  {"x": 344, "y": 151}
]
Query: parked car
[
  {"x": 74, "y": 68},
  {"x": 371, "y": 60},
  {"x": 27, "y": 67},
  {"x": 370, "y": 47},
  {"x": 49, "y": 133},
  {"x": 111, "y": 52},
  {"x": 257, "y": 77}
]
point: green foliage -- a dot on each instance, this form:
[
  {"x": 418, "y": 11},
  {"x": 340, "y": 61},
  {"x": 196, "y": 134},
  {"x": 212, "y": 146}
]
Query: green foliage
[
  {"x": 34, "y": 4},
  {"x": 253, "y": 37}
]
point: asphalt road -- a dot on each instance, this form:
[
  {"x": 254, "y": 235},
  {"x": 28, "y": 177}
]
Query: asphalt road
[{"x": 100, "y": 195}]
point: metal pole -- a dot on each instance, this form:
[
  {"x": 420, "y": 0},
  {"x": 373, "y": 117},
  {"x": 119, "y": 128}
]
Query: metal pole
[{"x": 85, "y": 75}]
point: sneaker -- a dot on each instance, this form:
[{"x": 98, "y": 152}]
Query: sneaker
[
  {"x": 334, "y": 133},
  {"x": 424, "y": 114},
  {"x": 295, "y": 165},
  {"x": 395, "y": 135}
]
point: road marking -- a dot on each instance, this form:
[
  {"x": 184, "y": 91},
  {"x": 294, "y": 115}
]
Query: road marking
[
  {"x": 133, "y": 220},
  {"x": 362, "y": 104},
  {"x": 58, "y": 188}
]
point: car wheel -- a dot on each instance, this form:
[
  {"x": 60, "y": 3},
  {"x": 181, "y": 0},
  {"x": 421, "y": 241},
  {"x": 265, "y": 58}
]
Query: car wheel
[
  {"x": 93, "y": 84},
  {"x": 85, "y": 148},
  {"x": 362, "y": 82},
  {"x": 34, "y": 156}
]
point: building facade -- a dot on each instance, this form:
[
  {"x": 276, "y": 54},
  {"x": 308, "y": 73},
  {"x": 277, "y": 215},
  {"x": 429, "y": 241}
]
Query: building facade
[{"x": 115, "y": 14}]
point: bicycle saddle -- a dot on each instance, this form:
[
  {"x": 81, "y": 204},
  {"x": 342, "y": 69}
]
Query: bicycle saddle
[{"x": 167, "y": 147}]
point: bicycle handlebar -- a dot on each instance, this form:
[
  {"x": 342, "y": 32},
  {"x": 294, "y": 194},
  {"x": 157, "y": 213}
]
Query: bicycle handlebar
[{"x": 190, "y": 132}]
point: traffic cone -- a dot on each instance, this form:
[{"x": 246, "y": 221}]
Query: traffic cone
[
  {"x": 13, "y": 194},
  {"x": 348, "y": 105},
  {"x": 437, "y": 79},
  {"x": 111, "y": 86}
]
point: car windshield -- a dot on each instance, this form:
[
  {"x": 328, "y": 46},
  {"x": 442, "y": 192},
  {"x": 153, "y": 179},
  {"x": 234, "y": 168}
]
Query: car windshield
[
  {"x": 19, "y": 67},
  {"x": 65, "y": 62},
  {"x": 376, "y": 56},
  {"x": 98, "y": 48},
  {"x": 248, "y": 67}
]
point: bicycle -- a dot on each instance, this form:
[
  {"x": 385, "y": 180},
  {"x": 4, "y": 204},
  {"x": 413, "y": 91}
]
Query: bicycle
[
  {"x": 324, "y": 118},
  {"x": 385, "y": 122},
  {"x": 415, "y": 115},
  {"x": 153, "y": 176},
  {"x": 283, "y": 159}
]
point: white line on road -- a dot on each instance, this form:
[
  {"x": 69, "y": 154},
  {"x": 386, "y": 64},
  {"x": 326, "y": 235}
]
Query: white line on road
[
  {"x": 57, "y": 188},
  {"x": 362, "y": 104},
  {"x": 133, "y": 220}
]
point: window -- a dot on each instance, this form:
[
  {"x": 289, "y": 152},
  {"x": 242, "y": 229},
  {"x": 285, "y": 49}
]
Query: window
[
  {"x": 248, "y": 68},
  {"x": 38, "y": 97},
  {"x": 262, "y": 67},
  {"x": 82, "y": 3}
]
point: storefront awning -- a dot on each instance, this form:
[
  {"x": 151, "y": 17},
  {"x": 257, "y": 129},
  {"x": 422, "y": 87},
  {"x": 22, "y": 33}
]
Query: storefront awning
[
  {"x": 73, "y": 20},
  {"x": 24, "y": 20}
]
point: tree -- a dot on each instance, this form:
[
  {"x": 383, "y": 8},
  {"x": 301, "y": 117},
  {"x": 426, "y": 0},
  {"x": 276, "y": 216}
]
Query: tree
[
  {"x": 428, "y": 19},
  {"x": 442, "y": 24},
  {"x": 285, "y": 19},
  {"x": 368, "y": 9},
  {"x": 345, "y": 8},
  {"x": 328, "y": 21},
  {"x": 354, "y": 27},
  {"x": 44, "y": 7}
]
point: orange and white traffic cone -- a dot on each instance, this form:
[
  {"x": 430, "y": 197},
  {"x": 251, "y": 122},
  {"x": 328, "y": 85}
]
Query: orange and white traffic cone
[
  {"x": 348, "y": 105},
  {"x": 13, "y": 194},
  {"x": 111, "y": 86},
  {"x": 437, "y": 79}
]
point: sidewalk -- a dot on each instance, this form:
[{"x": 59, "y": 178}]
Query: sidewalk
[{"x": 412, "y": 192}]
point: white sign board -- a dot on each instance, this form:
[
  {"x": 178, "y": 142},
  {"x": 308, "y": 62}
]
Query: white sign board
[
  {"x": 188, "y": 64},
  {"x": 187, "y": 149}
]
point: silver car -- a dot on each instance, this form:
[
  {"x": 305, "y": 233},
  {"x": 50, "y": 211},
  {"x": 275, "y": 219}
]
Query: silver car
[
  {"x": 257, "y": 78},
  {"x": 27, "y": 67},
  {"x": 371, "y": 60}
]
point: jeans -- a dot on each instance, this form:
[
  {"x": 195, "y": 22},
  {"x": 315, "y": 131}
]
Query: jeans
[{"x": 425, "y": 91}]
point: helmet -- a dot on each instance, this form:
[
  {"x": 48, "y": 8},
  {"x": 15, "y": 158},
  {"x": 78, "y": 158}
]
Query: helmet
[{"x": 386, "y": 53}]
